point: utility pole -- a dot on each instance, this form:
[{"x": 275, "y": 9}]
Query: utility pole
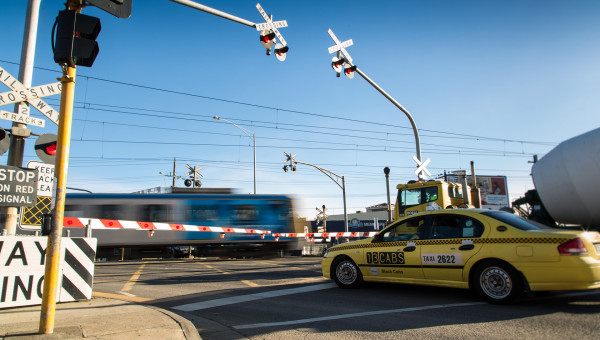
[{"x": 19, "y": 132}]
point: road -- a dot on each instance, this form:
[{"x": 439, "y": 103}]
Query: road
[{"x": 287, "y": 298}]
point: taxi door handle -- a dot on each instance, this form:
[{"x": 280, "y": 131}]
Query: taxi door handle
[
  {"x": 466, "y": 247},
  {"x": 411, "y": 248}
]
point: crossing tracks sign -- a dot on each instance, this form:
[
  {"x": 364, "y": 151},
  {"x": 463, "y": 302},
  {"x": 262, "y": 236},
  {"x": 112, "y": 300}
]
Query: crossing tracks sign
[
  {"x": 340, "y": 46},
  {"x": 20, "y": 93},
  {"x": 271, "y": 25}
]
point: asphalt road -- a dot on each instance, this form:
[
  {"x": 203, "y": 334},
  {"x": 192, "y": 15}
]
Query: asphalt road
[{"x": 287, "y": 298}]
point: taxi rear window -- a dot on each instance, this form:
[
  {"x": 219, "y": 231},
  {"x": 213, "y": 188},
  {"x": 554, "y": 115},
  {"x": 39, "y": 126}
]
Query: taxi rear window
[{"x": 515, "y": 221}]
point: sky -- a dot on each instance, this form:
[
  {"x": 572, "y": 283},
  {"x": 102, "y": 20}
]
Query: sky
[{"x": 494, "y": 82}]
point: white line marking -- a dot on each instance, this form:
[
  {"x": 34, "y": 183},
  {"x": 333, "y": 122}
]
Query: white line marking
[
  {"x": 125, "y": 293},
  {"x": 251, "y": 297},
  {"x": 354, "y": 315},
  {"x": 389, "y": 311}
]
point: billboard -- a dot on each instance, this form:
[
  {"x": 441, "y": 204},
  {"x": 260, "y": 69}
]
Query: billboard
[{"x": 494, "y": 190}]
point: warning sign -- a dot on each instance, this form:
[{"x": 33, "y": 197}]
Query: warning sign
[
  {"x": 32, "y": 216},
  {"x": 18, "y": 186}
]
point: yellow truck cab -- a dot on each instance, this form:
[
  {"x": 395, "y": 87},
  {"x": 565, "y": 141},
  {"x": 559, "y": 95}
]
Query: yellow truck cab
[{"x": 418, "y": 196}]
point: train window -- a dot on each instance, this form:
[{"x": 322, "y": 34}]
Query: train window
[
  {"x": 282, "y": 211},
  {"x": 245, "y": 213},
  {"x": 202, "y": 213},
  {"x": 110, "y": 212},
  {"x": 158, "y": 213},
  {"x": 75, "y": 211}
]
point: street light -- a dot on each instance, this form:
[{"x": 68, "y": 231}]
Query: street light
[{"x": 249, "y": 134}]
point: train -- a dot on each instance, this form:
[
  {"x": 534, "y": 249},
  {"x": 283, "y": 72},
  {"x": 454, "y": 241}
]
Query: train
[{"x": 273, "y": 213}]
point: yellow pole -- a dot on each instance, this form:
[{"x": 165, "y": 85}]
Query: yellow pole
[{"x": 52, "y": 272}]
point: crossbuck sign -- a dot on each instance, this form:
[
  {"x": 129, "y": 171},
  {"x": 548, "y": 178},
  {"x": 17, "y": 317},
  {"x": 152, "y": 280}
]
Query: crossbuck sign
[
  {"x": 421, "y": 167},
  {"x": 20, "y": 93},
  {"x": 271, "y": 25}
]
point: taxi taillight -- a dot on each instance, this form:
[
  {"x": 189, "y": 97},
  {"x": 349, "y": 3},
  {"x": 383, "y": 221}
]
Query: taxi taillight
[{"x": 573, "y": 247}]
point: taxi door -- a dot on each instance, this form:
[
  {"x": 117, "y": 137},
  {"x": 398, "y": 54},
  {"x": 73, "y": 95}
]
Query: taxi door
[
  {"x": 394, "y": 254},
  {"x": 448, "y": 245}
]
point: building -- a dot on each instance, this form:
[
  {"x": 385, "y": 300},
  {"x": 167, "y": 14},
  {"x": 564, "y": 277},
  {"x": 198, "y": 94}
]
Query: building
[{"x": 374, "y": 219}]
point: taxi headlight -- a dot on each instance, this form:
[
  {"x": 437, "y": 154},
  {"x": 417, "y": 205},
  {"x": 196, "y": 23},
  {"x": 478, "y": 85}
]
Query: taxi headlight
[{"x": 325, "y": 253}]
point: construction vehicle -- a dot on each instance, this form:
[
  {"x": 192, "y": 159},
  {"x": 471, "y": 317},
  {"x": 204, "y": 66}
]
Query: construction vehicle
[
  {"x": 567, "y": 184},
  {"x": 454, "y": 191},
  {"x": 418, "y": 196}
]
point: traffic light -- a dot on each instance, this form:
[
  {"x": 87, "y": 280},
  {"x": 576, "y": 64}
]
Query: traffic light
[
  {"x": 267, "y": 39},
  {"x": 336, "y": 64},
  {"x": 280, "y": 51},
  {"x": 45, "y": 148},
  {"x": 4, "y": 141},
  {"x": 76, "y": 35},
  {"x": 349, "y": 70}
]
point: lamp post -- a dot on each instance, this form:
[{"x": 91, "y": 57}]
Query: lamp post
[
  {"x": 328, "y": 173},
  {"x": 249, "y": 134}
]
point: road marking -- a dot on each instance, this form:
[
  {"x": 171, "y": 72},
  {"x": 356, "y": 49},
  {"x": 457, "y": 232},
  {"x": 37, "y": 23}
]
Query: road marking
[
  {"x": 354, "y": 315},
  {"x": 389, "y": 311},
  {"x": 129, "y": 284},
  {"x": 250, "y": 283},
  {"x": 250, "y": 297},
  {"x": 215, "y": 269},
  {"x": 120, "y": 297}
]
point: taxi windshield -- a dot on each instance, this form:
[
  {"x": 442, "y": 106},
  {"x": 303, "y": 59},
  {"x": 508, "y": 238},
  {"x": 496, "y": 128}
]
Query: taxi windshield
[{"x": 515, "y": 221}]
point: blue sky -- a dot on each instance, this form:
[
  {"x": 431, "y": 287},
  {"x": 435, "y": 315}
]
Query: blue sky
[{"x": 493, "y": 82}]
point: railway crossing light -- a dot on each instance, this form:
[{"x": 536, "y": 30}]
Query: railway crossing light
[
  {"x": 4, "y": 141},
  {"x": 349, "y": 70},
  {"x": 267, "y": 39},
  {"x": 281, "y": 51},
  {"x": 76, "y": 35},
  {"x": 45, "y": 148},
  {"x": 336, "y": 64}
]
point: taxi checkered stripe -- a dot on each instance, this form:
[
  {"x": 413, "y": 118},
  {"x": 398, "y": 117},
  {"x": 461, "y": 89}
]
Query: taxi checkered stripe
[{"x": 556, "y": 240}]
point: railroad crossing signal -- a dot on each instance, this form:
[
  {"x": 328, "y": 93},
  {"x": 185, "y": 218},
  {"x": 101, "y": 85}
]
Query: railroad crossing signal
[
  {"x": 421, "y": 168},
  {"x": 45, "y": 148},
  {"x": 4, "y": 141},
  {"x": 194, "y": 174},
  {"x": 289, "y": 158},
  {"x": 340, "y": 46},
  {"x": 32, "y": 98},
  {"x": 269, "y": 33},
  {"x": 343, "y": 61}
]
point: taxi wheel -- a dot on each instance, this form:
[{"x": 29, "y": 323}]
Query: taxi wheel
[
  {"x": 497, "y": 282},
  {"x": 345, "y": 273}
]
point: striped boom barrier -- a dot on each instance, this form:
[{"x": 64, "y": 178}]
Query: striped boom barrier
[
  {"x": 77, "y": 222},
  {"x": 321, "y": 235}
]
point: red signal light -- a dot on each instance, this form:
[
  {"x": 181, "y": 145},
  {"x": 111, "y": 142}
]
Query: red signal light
[{"x": 51, "y": 149}]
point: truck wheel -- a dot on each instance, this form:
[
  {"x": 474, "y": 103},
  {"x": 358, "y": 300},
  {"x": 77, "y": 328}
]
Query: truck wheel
[
  {"x": 497, "y": 282},
  {"x": 345, "y": 273}
]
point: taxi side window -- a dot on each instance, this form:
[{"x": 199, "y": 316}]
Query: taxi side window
[
  {"x": 455, "y": 226},
  {"x": 407, "y": 230}
]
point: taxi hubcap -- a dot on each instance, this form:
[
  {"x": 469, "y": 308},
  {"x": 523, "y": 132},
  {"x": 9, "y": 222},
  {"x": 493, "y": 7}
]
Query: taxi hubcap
[
  {"x": 495, "y": 282},
  {"x": 346, "y": 273}
]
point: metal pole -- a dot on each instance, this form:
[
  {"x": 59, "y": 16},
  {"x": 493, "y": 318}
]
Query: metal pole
[
  {"x": 17, "y": 143},
  {"x": 216, "y": 12},
  {"x": 174, "y": 168},
  {"x": 254, "y": 142},
  {"x": 410, "y": 118},
  {"x": 386, "y": 171},
  {"x": 51, "y": 274},
  {"x": 345, "y": 212}
]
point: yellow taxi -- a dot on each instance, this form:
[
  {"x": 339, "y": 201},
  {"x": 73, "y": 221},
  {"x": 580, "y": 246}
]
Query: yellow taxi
[{"x": 497, "y": 254}]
